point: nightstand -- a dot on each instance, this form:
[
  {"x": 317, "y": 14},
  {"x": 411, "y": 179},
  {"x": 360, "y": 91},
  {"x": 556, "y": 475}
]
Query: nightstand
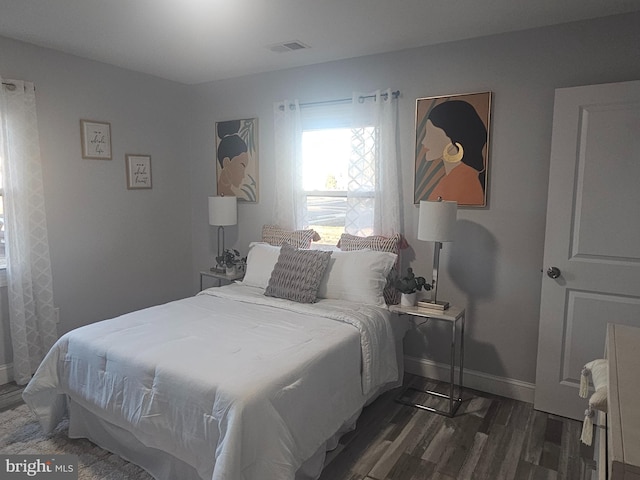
[
  {"x": 454, "y": 316},
  {"x": 221, "y": 277}
]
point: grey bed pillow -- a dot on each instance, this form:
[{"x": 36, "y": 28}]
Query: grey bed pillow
[{"x": 297, "y": 274}]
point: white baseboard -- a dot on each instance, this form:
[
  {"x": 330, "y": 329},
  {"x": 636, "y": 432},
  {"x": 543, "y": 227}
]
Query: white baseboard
[
  {"x": 505, "y": 387},
  {"x": 6, "y": 373}
]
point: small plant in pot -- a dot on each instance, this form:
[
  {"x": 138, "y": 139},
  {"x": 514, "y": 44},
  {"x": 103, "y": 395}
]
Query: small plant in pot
[
  {"x": 408, "y": 286},
  {"x": 228, "y": 260}
]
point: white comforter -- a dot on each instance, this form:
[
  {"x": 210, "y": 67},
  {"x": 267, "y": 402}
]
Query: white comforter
[{"x": 236, "y": 384}]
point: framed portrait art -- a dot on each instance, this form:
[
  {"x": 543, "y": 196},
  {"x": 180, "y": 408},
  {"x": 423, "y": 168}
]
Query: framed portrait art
[
  {"x": 96, "y": 139},
  {"x": 237, "y": 159},
  {"x": 452, "y": 148},
  {"x": 138, "y": 171}
]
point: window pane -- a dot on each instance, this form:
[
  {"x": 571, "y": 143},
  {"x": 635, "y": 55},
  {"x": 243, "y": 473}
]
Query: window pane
[
  {"x": 325, "y": 155},
  {"x": 326, "y": 215}
]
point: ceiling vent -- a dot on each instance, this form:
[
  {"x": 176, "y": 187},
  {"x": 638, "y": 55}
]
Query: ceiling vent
[{"x": 288, "y": 46}]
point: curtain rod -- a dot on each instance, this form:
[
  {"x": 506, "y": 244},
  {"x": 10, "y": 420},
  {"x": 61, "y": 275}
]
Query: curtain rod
[{"x": 361, "y": 99}]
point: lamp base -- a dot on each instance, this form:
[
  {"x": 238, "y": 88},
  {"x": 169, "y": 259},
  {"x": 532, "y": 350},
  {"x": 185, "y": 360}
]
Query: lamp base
[{"x": 438, "y": 306}]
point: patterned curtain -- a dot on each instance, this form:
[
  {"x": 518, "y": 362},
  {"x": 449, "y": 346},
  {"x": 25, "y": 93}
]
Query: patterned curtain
[
  {"x": 30, "y": 292},
  {"x": 362, "y": 181},
  {"x": 374, "y": 182}
]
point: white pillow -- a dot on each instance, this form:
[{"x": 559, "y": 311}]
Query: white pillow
[
  {"x": 358, "y": 276},
  {"x": 261, "y": 259}
]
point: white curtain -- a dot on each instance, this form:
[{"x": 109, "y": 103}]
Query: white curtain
[
  {"x": 30, "y": 292},
  {"x": 374, "y": 166},
  {"x": 290, "y": 209},
  {"x": 374, "y": 195}
]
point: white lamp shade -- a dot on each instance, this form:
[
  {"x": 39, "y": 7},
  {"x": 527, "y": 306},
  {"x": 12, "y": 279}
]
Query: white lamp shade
[
  {"x": 223, "y": 211},
  {"x": 437, "y": 221}
]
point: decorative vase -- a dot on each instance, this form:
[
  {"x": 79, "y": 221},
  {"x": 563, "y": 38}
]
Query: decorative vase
[
  {"x": 408, "y": 299},
  {"x": 231, "y": 270}
]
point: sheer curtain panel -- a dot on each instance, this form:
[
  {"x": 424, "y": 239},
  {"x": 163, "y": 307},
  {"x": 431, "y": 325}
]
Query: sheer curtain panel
[
  {"x": 373, "y": 183},
  {"x": 290, "y": 209},
  {"x": 373, "y": 165},
  {"x": 31, "y": 309}
]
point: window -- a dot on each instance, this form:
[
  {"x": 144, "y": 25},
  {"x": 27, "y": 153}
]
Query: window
[
  {"x": 338, "y": 168},
  {"x": 338, "y": 173},
  {"x": 334, "y": 183}
]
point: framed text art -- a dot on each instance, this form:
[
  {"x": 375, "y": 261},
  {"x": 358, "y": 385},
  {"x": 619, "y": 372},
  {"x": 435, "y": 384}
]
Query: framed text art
[
  {"x": 96, "y": 139},
  {"x": 237, "y": 159},
  {"x": 452, "y": 148},
  {"x": 138, "y": 171}
]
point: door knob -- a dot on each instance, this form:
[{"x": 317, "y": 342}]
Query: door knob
[{"x": 553, "y": 272}]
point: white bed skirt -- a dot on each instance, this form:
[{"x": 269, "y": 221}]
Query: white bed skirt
[{"x": 160, "y": 464}]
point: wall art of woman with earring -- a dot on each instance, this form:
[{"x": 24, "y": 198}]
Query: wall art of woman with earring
[{"x": 455, "y": 137}]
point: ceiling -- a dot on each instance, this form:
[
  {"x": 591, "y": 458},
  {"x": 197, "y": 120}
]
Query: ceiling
[{"x": 196, "y": 41}]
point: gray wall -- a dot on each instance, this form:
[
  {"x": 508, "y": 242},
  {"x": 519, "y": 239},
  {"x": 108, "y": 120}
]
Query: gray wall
[
  {"x": 114, "y": 250},
  {"x": 494, "y": 268}
]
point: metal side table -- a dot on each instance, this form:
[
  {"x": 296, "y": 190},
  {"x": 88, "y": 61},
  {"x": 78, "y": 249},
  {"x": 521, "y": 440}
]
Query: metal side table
[
  {"x": 221, "y": 277},
  {"x": 454, "y": 316}
]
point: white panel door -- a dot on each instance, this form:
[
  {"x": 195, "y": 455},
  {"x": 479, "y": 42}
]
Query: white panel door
[{"x": 592, "y": 236}]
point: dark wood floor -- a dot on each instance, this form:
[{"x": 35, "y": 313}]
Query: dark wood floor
[{"x": 490, "y": 438}]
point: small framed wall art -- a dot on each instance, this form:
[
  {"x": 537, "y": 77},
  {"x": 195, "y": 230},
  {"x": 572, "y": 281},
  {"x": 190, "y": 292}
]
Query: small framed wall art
[
  {"x": 452, "y": 148},
  {"x": 138, "y": 171},
  {"x": 237, "y": 159},
  {"x": 96, "y": 139}
]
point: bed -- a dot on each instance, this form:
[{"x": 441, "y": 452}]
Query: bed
[{"x": 231, "y": 383}]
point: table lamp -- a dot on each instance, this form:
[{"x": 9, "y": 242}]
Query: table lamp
[
  {"x": 436, "y": 223},
  {"x": 223, "y": 211}
]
